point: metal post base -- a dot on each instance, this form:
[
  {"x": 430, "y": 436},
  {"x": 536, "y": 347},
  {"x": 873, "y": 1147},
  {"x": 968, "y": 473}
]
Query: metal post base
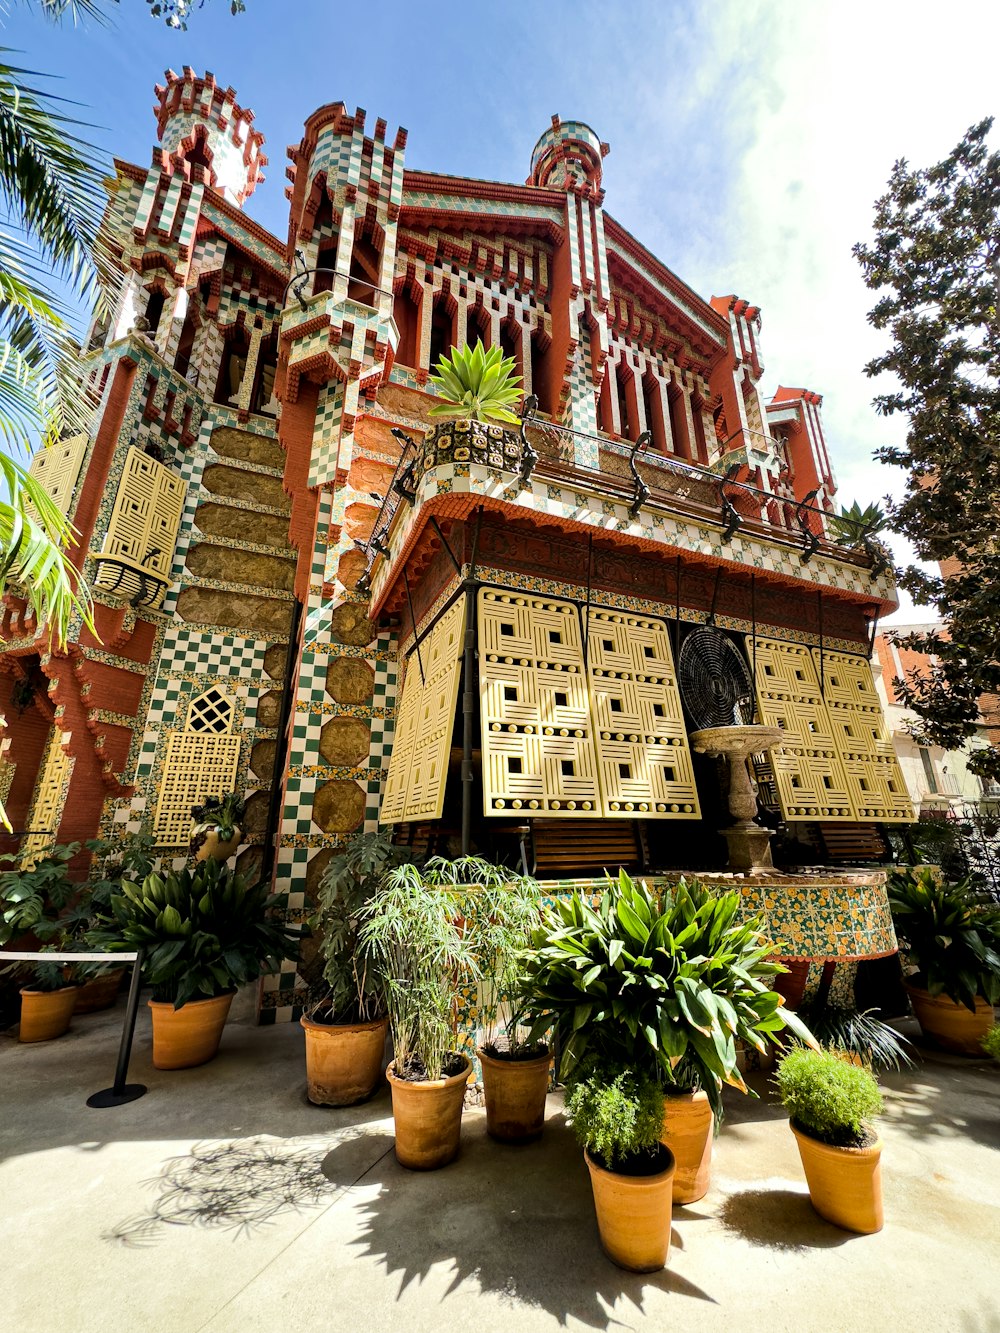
[{"x": 108, "y": 1097}]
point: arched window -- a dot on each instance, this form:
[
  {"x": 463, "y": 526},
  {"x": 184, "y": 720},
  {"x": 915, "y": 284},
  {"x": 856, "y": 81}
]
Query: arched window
[
  {"x": 366, "y": 268},
  {"x": 406, "y": 313},
  {"x": 442, "y": 337},
  {"x": 477, "y": 326},
  {"x": 540, "y": 385}
]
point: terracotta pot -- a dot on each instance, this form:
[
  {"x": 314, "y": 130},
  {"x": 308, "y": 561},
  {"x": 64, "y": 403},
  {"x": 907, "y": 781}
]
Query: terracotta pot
[
  {"x": 189, "y": 1036},
  {"x": 949, "y": 1025},
  {"x": 343, "y": 1060},
  {"x": 633, "y": 1216},
  {"x": 216, "y": 850},
  {"x": 688, "y": 1131},
  {"x": 428, "y": 1118},
  {"x": 791, "y": 985},
  {"x": 45, "y": 1014},
  {"x": 99, "y": 992},
  {"x": 515, "y": 1092},
  {"x": 845, "y": 1184}
]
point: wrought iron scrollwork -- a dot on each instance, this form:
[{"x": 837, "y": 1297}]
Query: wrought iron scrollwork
[
  {"x": 529, "y": 456},
  {"x": 404, "y": 482},
  {"x": 640, "y": 491},
  {"x": 731, "y": 516},
  {"x": 810, "y": 539}
]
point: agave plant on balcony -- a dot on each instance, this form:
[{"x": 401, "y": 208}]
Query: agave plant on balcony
[{"x": 477, "y": 384}]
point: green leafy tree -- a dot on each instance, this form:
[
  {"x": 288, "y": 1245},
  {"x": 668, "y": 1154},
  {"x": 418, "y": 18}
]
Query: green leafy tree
[{"x": 935, "y": 261}]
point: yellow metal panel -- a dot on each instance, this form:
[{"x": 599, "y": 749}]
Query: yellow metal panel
[
  {"x": 197, "y": 765},
  {"x": 538, "y": 746},
  {"x": 874, "y": 777},
  {"x": 142, "y": 530},
  {"x": 644, "y": 760},
  {"x": 425, "y": 721},
  {"x": 58, "y": 468},
  {"x": 808, "y": 771},
  {"x": 49, "y": 799}
]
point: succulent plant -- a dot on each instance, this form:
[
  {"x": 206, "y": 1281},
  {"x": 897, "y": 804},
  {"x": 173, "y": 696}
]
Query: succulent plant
[{"x": 477, "y": 384}]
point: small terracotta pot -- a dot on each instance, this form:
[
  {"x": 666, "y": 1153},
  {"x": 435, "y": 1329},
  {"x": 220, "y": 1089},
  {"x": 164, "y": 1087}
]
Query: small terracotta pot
[
  {"x": 45, "y": 1014},
  {"x": 343, "y": 1060},
  {"x": 949, "y": 1025},
  {"x": 99, "y": 992},
  {"x": 687, "y": 1131},
  {"x": 633, "y": 1216},
  {"x": 428, "y": 1118},
  {"x": 213, "y": 848},
  {"x": 189, "y": 1036},
  {"x": 791, "y": 985},
  {"x": 845, "y": 1184},
  {"x": 515, "y": 1092}
]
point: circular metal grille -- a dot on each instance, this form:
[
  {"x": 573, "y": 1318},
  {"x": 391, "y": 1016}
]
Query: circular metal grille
[{"x": 715, "y": 680}]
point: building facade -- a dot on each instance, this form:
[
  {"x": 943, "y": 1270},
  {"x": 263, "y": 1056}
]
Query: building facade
[{"x": 303, "y": 593}]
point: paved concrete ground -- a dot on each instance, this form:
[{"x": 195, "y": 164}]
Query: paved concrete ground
[{"x": 222, "y": 1202}]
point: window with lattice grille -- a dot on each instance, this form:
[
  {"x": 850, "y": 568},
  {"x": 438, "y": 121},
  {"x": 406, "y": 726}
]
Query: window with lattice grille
[
  {"x": 142, "y": 530},
  {"x": 211, "y": 713},
  {"x": 202, "y": 760},
  {"x": 57, "y": 469}
]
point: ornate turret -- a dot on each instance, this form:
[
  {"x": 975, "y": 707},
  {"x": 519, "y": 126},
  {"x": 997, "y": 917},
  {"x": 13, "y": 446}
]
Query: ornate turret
[
  {"x": 568, "y": 157},
  {"x": 205, "y": 135}
]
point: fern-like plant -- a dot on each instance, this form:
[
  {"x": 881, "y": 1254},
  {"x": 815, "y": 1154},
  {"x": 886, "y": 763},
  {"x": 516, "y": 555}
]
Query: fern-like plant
[
  {"x": 991, "y": 1042},
  {"x": 828, "y": 1098},
  {"x": 618, "y": 1117},
  {"x": 477, "y": 385}
]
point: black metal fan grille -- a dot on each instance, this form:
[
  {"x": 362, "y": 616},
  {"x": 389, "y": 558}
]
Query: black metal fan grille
[{"x": 715, "y": 681}]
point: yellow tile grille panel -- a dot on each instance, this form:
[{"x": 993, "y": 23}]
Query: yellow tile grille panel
[
  {"x": 142, "y": 531},
  {"x": 197, "y": 764},
  {"x": 425, "y": 720},
  {"x": 644, "y": 760},
  {"x": 57, "y": 469},
  {"x": 808, "y": 771},
  {"x": 874, "y": 778},
  {"x": 538, "y": 745},
  {"x": 49, "y": 799}
]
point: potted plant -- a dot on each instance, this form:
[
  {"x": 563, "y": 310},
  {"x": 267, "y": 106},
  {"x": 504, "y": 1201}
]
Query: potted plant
[
  {"x": 414, "y": 931},
  {"x": 345, "y": 1027},
  {"x": 501, "y": 908},
  {"x": 953, "y": 943},
  {"x": 217, "y": 827},
  {"x": 132, "y": 858},
  {"x": 34, "y": 900},
  {"x": 665, "y": 985},
  {"x": 617, "y": 1116},
  {"x": 830, "y": 1103},
  {"x": 205, "y": 932},
  {"x": 477, "y": 388},
  {"x": 991, "y": 1043},
  {"x": 853, "y": 1034}
]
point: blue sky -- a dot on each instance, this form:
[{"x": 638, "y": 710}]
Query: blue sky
[{"x": 749, "y": 138}]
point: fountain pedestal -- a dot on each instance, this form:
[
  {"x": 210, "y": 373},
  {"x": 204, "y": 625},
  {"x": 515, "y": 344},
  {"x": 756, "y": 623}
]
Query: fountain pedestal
[{"x": 749, "y": 844}]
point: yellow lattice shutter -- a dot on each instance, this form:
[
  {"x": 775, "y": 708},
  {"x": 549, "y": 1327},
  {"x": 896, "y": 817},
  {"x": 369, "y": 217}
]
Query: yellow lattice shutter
[
  {"x": 425, "y": 720},
  {"x": 808, "y": 771},
  {"x": 874, "y": 777},
  {"x": 142, "y": 531},
  {"x": 538, "y": 744},
  {"x": 57, "y": 469},
  {"x": 49, "y": 798},
  {"x": 644, "y": 760},
  {"x": 197, "y": 764}
]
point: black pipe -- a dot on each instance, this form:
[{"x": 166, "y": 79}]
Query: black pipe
[
  {"x": 281, "y": 748},
  {"x": 468, "y": 714}
]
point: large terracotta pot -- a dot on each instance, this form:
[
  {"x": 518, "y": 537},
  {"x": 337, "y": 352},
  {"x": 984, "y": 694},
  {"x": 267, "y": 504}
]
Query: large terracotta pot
[
  {"x": 45, "y": 1014},
  {"x": 949, "y": 1025},
  {"x": 189, "y": 1036},
  {"x": 515, "y": 1092},
  {"x": 845, "y": 1184},
  {"x": 428, "y": 1118},
  {"x": 343, "y": 1060},
  {"x": 687, "y": 1131},
  {"x": 99, "y": 992},
  {"x": 214, "y": 848},
  {"x": 633, "y": 1216}
]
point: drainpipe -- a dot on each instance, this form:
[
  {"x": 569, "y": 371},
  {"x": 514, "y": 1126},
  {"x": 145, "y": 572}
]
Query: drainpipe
[{"x": 281, "y": 749}]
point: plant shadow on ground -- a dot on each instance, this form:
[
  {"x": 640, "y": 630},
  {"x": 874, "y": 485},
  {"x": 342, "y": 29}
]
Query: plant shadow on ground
[
  {"x": 779, "y": 1219},
  {"x": 946, "y": 1096},
  {"x": 516, "y": 1221}
]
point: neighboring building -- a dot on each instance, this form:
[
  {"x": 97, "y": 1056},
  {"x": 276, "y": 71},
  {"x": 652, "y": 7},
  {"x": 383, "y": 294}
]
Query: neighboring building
[
  {"x": 937, "y": 780},
  {"x": 290, "y": 579}
]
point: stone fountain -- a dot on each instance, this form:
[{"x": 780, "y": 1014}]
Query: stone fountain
[{"x": 749, "y": 843}]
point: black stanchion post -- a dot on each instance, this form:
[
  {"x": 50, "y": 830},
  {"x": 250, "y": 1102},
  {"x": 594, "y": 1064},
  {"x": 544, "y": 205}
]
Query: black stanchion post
[{"x": 123, "y": 1092}]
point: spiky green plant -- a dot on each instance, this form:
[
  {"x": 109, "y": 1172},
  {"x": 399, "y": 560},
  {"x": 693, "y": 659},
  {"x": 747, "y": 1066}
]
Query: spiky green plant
[
  {"x": 476, "y": 384},
  {"x": 853, "y": 526}
]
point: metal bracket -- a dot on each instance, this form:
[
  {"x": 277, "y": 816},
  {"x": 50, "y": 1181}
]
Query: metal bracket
[
  {"x": 640, "y": 491},
  {"x": 810, "y": 539},
  {"x": 529, "y": 456},
  {"x": 404, "y": 483},
  {"x": 731, "y": 516}
]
